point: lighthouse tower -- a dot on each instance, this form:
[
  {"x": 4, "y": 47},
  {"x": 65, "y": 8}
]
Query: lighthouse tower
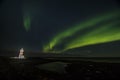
[{"x": 21, "y": 54}]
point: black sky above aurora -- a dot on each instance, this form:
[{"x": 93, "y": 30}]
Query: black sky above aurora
[{"x": 60, "y": 25}]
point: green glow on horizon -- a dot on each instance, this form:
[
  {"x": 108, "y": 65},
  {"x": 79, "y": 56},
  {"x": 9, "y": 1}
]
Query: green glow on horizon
[
  {"x": 87, "y": 39},
  {"x": 27, "y": 21}
]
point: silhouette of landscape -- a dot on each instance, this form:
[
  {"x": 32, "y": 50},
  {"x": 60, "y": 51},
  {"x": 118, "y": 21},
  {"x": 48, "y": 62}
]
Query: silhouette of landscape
[{"x": 58, "y": 69}]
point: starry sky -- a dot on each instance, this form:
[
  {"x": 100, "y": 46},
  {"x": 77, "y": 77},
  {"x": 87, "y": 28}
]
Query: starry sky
[{"x": 60, "y": 26}]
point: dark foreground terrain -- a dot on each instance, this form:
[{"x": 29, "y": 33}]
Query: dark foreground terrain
[{"x": 47, "y": 69}]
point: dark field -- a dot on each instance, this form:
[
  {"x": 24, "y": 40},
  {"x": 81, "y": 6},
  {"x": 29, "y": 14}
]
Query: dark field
[{"x": 65, "y": 68}]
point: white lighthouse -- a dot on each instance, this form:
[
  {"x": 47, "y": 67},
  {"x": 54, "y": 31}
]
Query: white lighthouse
[{"x": 21, "y": 54}]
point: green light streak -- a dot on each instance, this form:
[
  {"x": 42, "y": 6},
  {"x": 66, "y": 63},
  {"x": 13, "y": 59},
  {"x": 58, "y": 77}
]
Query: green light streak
[
  {"x": 106, "y": 33},
  {"x": 71, "y": 32},
  {"x": 27, "y": 21}
]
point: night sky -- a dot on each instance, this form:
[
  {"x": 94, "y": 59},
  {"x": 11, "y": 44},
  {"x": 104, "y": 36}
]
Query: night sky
[{"x": 77, "y": 26}]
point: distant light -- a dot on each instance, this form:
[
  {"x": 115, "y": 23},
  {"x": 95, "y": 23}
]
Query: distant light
[{"x": 21, "y": 55}]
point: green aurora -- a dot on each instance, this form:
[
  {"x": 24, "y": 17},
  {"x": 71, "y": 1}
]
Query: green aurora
[
  {"x": 26, "y": 15},
  {"x": 103, "y": 34},
  {"x": 107, "y": 29},
  {"x": 27, "y": 21}
]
